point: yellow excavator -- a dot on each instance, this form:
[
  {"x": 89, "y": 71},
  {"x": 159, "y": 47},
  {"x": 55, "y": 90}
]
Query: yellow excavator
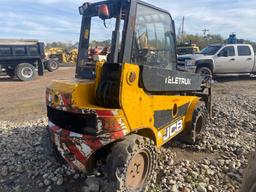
[
  {"x": 115, "y": 114},
  {"x": 62, "y": 55},
  {"x": 187, "y": 48}
]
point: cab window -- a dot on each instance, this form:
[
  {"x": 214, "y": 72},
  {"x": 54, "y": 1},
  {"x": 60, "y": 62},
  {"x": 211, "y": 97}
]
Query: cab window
[
  {"x": 33, "y": 50},
  {"x": 227, "y": 52},
  {"x": 244, "y": 51},
  {"x": 154, "y": 42}
]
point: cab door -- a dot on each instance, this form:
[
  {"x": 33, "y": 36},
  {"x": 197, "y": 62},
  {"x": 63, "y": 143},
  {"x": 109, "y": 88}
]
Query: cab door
[
  {"x": 245, "y": 59},
  {"x": 225, "y": 60}
]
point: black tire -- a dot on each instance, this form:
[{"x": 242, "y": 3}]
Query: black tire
[
  {"x": 249, "y": 181},
  {"x": 121, "y": 166},
  {"x": 52, "y": 65},
  {"x": 206, "y": 72},
  {"x": 50, "y": 149},
  {"x": 190, "y": 134},
  {"x": 25, "y": 72}
]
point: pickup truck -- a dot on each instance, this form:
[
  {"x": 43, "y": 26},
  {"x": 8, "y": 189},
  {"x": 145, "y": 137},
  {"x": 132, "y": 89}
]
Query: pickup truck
[
  {"x": 220, "y": 59},
  {"x": 24, "y": 59}
]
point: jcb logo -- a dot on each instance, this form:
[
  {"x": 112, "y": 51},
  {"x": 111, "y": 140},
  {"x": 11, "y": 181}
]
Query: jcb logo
[{"x": 172, "y": 130}]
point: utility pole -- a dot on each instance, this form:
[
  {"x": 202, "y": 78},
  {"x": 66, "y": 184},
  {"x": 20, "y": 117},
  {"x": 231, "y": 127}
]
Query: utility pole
[
  {"x": 181, "y": 30},
  {"x": 205, "y": 32}
]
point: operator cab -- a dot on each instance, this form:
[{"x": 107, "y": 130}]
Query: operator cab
[
  {"x": 142, "y": 35},
  {"x": 136, "y": 32}
]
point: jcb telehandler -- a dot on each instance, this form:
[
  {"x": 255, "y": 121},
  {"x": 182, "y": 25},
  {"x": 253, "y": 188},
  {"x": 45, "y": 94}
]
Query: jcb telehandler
[{"x": 116, "y": 114}]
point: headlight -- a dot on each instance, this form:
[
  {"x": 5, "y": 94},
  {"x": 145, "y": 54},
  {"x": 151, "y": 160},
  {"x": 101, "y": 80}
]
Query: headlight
[{"x": 190, "y": 62}]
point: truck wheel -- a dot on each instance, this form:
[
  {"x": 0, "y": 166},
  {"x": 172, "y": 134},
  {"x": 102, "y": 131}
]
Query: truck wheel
[
  {"x": 190, "y": 134},
  {"x": 52, "y": 65},
  {"x": 25, "y": 72},
  {"x": 249, "y": 181},
  {"x": 50, "y": 149},
  {"x": 205, "y": 71},
  {"x": 131, "y": 164}
]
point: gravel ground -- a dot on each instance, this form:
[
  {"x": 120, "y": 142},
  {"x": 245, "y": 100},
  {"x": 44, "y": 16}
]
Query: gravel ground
[
  {"x": 216, "y": 163},
  {"x": 226, "y": 143},
  {"x": 20, "y": 101}
]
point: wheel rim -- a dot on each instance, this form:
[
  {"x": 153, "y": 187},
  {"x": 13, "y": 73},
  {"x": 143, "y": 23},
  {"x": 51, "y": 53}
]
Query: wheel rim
[
  {"x": 54, "y": 65},
  {"x": 27, "y": 72},
  {"x": 253, "y": 188},
  {"x": 206, "y": 73},
  {"x": 138, "y": 170}
]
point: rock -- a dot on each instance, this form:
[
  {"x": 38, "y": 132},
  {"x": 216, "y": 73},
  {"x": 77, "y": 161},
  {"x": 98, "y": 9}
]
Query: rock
[
  {"x": 93, "y": 184},
  {"x": 76, "y": 176},
  {"x": 202, "y": 187},
  {"x": 18, "y": 188},
  {"x": 60, "y": 181},
  {"x": 174, "y": 188},
  {"x": 19, "y": 169},
  {"x": 4, "y": 171},
  {"x": 85, "y": 189},
  {"x": 210, "y": 188},
  {"x": 40, "y": 185},
  {"x": 186, "y": 189},
  {"x": 47, "y": 182},
  {"x": 54, "y": 179},
  {"x": 49, "y": 189},
  {"x": 45, "y": 175}
]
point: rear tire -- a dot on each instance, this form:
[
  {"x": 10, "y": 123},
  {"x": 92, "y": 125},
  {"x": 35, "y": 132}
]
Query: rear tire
[
  {"x": 25, "y": 72},
  {"x": 249, "y": 182},
  {"x": 131, "y": 164},
  {"x": 190, "y": 134},
  {"x": 52, "y": 65}
]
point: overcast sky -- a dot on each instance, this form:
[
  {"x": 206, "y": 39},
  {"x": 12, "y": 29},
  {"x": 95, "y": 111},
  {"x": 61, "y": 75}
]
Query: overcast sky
[{"x": 59, "y": 20}]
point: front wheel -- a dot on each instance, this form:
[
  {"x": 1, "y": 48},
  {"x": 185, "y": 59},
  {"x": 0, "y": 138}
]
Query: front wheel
[
  {"x": 25, "y": 72},
  {"x": 131, "y": 164},
  {"x": 198, "y": 124},
  {"x": 205, "y": 71},
  {"x": 52, "y": 65}
]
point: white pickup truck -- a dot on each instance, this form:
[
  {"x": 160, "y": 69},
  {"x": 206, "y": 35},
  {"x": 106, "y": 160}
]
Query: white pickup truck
[{"x": 218, "y": 59}]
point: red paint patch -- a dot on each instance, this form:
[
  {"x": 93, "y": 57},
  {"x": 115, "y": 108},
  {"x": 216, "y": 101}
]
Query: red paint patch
[
  {"x": 103, "y": 113},
  {"x": 117, "y": 135},
  {"x": 66, "y": 99},
  {"x": 78, "y": 155},
  {"x": 93, "y": 142}
]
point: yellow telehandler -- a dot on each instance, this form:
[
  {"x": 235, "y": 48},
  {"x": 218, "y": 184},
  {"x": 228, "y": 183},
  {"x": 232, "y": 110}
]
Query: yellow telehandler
[{"x": 117, "y": 113}]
